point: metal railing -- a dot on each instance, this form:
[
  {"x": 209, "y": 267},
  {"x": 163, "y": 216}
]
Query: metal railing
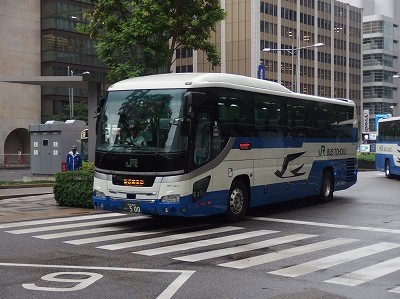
[{"x": 8, "y": 160}]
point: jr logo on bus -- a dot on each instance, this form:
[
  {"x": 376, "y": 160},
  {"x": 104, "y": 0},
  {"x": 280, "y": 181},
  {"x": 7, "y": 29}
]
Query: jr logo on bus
[
  {"x": 323, "y": 151},
  {"x": 294, "y": 172},
  {"x": 132, "y": 163}
]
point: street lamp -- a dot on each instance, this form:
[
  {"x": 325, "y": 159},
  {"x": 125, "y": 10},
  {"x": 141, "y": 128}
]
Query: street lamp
[
  {"x": 71, "y": 92},
  {"x": 293, "y": 51}
]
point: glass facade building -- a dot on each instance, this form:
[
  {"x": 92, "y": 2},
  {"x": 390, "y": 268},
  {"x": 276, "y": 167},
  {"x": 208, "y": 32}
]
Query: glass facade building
[{"x": 65, "y": 52}]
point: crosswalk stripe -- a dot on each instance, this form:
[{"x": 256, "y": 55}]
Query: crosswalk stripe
[
  {"x": 80, "y": 232},
  {"x": 276, "y": 256},
  {"x": 127, "y": 235},
  {"x": 68, "y": 226},
  {"x": 364, "y": 275},
  {"x": 204, "y": 243},
  {"x": 58, "y": 220},
  {"x": 111, "y": 237},
  {"x": 89, "y": 231},
  {"x": 169, "y": 238},
  {"x": 243, "y": 248},
  {"x": 333, "y": 260},
  {"x": 395, "y": 290}
]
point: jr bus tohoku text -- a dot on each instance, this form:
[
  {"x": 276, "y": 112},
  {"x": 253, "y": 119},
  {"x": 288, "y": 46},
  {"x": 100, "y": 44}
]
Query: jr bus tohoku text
[{"x": 215, "y": 143}]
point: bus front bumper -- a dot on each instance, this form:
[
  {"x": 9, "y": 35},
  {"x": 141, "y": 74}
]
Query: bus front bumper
[{"x": 183, "y": 208}]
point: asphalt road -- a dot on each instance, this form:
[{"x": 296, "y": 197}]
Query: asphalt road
[{"x": 348, "y": 248}]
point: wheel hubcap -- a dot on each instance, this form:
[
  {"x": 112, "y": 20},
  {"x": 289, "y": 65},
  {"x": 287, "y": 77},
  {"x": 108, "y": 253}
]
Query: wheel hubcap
[{"x": 236, "y": 201}]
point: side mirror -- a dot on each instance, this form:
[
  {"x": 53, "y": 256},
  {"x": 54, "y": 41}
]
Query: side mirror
[
  {"x": 193, "y": 99},
  {"x": 186, "y": 127},
  {"x": 99, "y": 107}
]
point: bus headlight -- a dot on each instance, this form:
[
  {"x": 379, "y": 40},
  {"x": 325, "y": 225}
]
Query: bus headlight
[
  {"x": 172, "y": 198},
  {"x": 99, "y": 194},
  {"x": 200, "y": 188}
]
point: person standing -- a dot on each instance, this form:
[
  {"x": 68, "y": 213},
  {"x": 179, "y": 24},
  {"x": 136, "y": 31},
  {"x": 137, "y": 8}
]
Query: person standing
[{"x": 74, "y": 160}]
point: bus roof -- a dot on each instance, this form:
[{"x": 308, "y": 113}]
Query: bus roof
[
  {"x": 395, "y": 118},
  {"x": 199, "y": 80}
]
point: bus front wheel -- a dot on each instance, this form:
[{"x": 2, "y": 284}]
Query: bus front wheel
[
  {"x": 387, "y": 170},
  {"x": 326, "y": 193},
  {"x": 237, "y": 202}
]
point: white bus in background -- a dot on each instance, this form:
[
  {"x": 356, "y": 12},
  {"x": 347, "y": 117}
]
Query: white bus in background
[
  {"x": 219, "y": 144},
  {"x": 387, "y": 156}
]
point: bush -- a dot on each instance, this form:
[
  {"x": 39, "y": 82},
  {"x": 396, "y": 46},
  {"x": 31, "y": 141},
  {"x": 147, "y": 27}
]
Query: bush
[
  {"x": 75, "y": 188},
  {"x": 367, "y": 157},
  {"x": 366, "y": 160}
]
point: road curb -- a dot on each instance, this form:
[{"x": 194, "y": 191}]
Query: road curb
[{"x": 22, "y": 195}]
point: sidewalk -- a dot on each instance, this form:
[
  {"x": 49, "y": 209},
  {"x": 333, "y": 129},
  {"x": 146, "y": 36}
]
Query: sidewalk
[
  {"x": 37, "y": 202},
  {"x": 25, "y": 190}
]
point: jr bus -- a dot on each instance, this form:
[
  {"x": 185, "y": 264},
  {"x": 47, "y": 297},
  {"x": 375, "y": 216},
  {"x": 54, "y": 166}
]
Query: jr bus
[
  {"x": 387, "y": 157},
  {"x": 219, "y": 143}
]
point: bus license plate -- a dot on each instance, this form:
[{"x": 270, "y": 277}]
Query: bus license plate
[{"x": 131, "y": 207}]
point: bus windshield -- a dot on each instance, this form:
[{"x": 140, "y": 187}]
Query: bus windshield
[{"x": 142, "y": 120}]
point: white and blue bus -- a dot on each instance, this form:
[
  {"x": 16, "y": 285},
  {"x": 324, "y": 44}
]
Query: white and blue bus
[
  {"x": 387, "y": 156},
  {"x": 213, "y": 143}
]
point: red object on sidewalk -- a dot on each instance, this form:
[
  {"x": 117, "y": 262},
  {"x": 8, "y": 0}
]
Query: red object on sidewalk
[{"x": 63, "y": 166}]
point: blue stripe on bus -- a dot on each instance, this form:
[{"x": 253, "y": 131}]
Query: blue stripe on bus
[{"x": 344, "y": 171}]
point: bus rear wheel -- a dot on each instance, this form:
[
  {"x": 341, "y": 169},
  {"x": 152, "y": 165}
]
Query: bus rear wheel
[
  {"x": 237, "y": 202},
  {"x": 387, "y": 170},
  {"x": 326, "y": 193}
]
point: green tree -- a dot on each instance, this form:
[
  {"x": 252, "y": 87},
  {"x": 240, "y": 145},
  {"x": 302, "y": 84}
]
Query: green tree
[
  {"x": 139, "y": 37},
  {"x": 80, "y": 112}
]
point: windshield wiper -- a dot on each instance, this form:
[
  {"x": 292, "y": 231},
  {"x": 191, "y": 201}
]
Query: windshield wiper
[
  {"x": 114, "y": 147},
  {"x": 147, "y": 150}
]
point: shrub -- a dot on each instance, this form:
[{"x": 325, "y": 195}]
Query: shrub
[
  {"x": 367, "y": 157},
  {"x": 75, "y": 188},
  {"x": 366, "y": 160}
]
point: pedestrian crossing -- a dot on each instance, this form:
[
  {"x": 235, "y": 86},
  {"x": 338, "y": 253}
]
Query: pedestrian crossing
[{"x": 225, "y": 246}]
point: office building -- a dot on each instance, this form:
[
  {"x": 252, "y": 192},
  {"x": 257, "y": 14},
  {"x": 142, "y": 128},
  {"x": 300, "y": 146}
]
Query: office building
[
  {"x": 333, "y": 70},
  {"x": 381, "y": 51}
]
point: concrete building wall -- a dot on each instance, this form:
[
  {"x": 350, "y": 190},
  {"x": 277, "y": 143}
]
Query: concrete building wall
[{"x": 19, "y": 55}]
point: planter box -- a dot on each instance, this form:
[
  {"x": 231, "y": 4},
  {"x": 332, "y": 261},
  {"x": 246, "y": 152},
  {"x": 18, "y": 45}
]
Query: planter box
[{"x": 362, "y": 164}]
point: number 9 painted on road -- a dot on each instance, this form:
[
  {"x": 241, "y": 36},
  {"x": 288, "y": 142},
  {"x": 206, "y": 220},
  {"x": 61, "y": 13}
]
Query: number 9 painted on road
[{"x": 81, "y": 283}]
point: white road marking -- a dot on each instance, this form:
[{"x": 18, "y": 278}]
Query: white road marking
[
  {"x": 363, "y": 275},
  {"x": 363, "y": 228},
  {"x": 204, "y": 243},
  {"x": 66, "y": 226},
  {"x": 65, "y": 219},
  {"x": 80, "y": 232},
  {"x": 169, "y": 238},
  {"x": 243, "y": 248},
  {"x": 279, "y": 255},
  {"x": 127, "y": 235},
  {"x": 184, "y": 275},
  {"x": 334, "y": 260},
  {"x": 395, "y": 290}
]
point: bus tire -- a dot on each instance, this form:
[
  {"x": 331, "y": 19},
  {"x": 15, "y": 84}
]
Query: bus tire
[
  {"x": 326, "y": 193},
  {"x": 238, "y": 201},
  {"x": 387, "y": 170}
]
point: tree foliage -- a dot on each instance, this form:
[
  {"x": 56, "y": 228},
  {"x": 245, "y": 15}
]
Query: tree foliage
[
  {"x": 139, "y": 37},
  {"x": 80, "y": 112}
]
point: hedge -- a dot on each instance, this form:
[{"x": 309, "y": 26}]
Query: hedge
[{"x": 75, "y": 188}]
